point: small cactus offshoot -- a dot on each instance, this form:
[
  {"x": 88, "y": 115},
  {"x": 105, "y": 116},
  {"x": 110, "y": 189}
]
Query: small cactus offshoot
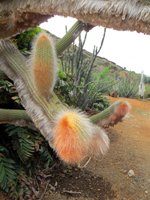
[{"x": 44, "y": 64}]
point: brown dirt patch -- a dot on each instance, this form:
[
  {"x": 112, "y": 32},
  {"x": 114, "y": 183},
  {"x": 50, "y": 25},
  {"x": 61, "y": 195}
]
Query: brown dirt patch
[{"x": 74, "y": 183}]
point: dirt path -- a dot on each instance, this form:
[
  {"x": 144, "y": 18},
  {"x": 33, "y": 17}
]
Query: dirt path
[{"x": 108, "y": 178}]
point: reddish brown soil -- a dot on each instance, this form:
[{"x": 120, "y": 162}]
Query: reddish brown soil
[{"x": 107, "y": 178}]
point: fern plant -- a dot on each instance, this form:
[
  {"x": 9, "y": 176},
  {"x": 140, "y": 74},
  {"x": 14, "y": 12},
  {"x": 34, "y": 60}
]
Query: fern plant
[
  {"x": 45, "y": 156},
  {"x": 22, "y": 142},
  {"x": 8, "y": 174},
  {"x": 20, "y": 150}
]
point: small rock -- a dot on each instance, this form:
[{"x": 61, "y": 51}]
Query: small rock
[
  {"x": 131, "y": 173},
  {"x": 146, "y": 192}
]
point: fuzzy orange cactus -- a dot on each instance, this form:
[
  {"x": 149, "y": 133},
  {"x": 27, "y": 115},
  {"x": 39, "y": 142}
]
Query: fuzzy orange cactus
[
  {"x": 116, "y": 113},
  {"x": 120, "y": 112},
  {"x": 74, "y": 137},
  {"x": 44, "y": 64},
  {"x": 72, "y": 134}
]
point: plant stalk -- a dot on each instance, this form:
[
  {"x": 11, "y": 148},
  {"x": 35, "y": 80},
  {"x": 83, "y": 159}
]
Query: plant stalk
[
  {"x": 13, "y": 115},
  {"x": 70, "y": 36},
  {"x": 16, "y": 115},
  {"x": 105, "y": 113}
]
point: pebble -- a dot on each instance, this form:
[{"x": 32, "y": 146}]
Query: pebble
[
  {"x": 146, "y": 192},
  {"x": 131, "y": 173}
]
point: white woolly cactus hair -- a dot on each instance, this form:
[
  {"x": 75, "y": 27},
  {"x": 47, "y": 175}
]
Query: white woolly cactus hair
[
  {"x": 75, "y": 137},
  {"x": 100, "y": 142},
  {"x": 43, "y": 64}
]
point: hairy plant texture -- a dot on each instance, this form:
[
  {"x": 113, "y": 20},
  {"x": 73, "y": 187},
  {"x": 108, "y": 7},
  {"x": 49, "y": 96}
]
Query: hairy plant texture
[
  {"x": 74, "y": 137},
  {"x": 43, "y": 64},
  {"x": 70, "y": 134}
]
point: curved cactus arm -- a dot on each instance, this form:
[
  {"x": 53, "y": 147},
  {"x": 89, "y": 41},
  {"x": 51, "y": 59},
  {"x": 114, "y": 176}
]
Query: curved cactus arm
[
  {"x": 16, "y": 117},
  {"x": 71, "y": 35},
  {"x": 8, "y": 115},
  {"x": 43, "y": 65},
  {"x": 110, "y": 116}
]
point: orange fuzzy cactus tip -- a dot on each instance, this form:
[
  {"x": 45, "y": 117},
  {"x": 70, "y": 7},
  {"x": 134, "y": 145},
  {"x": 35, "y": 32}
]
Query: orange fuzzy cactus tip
[
  {"x": 122, "y": 109},
  {"x": 72, "y": 135},
  {"x": 120, "y": 112},
  {"x": 43, "y": 60}
]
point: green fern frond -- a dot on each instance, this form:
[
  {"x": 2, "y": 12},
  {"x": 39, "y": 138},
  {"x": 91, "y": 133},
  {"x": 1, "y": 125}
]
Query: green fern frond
[
  {"x": 45, "y": 156},
  {"x": 8, "y": 173},
  {"x": 3, "y": 150},
  {"x": 26, "y": 147},
  {"x": 22, "y": 142}
]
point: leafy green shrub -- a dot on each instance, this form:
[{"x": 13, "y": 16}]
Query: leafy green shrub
[
  {"x": 22, "y": 150},
  {"x": 127, "y": 85},
  {"x": 104, "y": 81},
  {"x": 24, "y": 40},
  {"x": 100, "y": 104}
]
